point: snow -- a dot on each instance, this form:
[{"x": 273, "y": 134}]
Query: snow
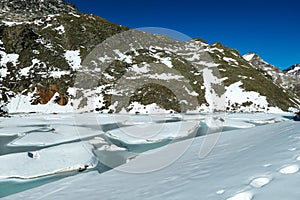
[
  {"x": 54, "y": 134},
  {"x": 292, "y": 149},
  {"x": 62, "y": 159},
  {"x": 193, "y": 93},
  {"x": 75, "y": 15},
  {"x": 74, "y": 59},
  {"x": 260, "y": 182},
  {"x": 296, "y": 69},
  {"x": 136, "y": 107},
  {"x": 245, "y": 164},
  {"x": 58, "y": 74},
  {"x": 104, "y": 59},
  {"x": 167, "y": 61},
  {"x": 156, "y": 76},
  {"x": 25, "y": 71},
  {"x": 248, "y": 56},
  {"x": 3, "y": 72},
  {"x": 123, "y": 57},
  {"x": 220, "y": 192},
  {"x": 22, "y": 104},
  {"x": 38, "y": 22},
  {"x": 208, "y": 64},
  {"x": 291, "y": 169},
  {"x": 214, "y": 100},
  {"x": 154, "y": 133},
  {"x": 230, "y": 60},
  {"x": 5, "y": 58},
  {"x": 140, "y": 69},
  {"x": 164, "y": 76},
  {"x": 10, "y": 23},
  {"x": 232, "y": 123},
  {"x": 111, "y": 148},
  {"x": 244, "y": 77},
  {"x": 60, "y": 29},
  {"x": 47, "y": 26},
  {"x": 235, "y": 94},
  {"x": 216, "y": 49},
  {"x": 242, "y": 196}
]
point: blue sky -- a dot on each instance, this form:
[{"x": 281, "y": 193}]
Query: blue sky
[{"x": 270, "y": 28}]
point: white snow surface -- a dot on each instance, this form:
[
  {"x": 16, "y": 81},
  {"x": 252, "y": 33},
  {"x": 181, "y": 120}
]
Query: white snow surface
[
  {"x": 296, "y": 69},
  {"x": 5, "y": 58},
  {"x": 60, "y": 29},
  {"x": 238, "y": 95},
  {"x": 123, "y": 57},
  {"x": 235, "y": 94},
  {"x": 152, "y": 133},
  {"x": 26, "y": 70},
  {"x": 248, "y": 56},
  {"x": 73, "y": 58},
  {"x": 213, "y": 99},
  {"x": 51, "y": 161},
  {"x": 245, "y": 164},
  {"x": 148, "y": 109},
  {"x": 230, "y": 60},
  {"x": 22, "y": 104}
]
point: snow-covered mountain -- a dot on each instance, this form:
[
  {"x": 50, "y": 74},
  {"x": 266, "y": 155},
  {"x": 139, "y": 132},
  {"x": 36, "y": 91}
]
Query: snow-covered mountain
[
  {"x": 293, "y": 73},
  {"x": 268, "y": 69},
  {"x": 24, "y": 10},
  {"x": 288, "y": 79},
  {"x": 293, "y": 70},
  {"x": 56, "y": 59}
]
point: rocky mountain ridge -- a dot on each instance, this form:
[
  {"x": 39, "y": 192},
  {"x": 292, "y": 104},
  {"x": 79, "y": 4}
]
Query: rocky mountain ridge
[
  {"x": 59, "y": 60},
  {"x": 293, "y": 70},
  {"x": 288, "y": 78},
  {"x": 27, "y": 10}
]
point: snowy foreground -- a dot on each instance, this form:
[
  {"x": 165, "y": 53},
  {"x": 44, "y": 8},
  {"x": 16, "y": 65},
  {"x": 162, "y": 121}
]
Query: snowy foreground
[{"x": 257, "y": 156}]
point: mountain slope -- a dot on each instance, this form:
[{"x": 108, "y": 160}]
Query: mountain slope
[
  {"x": 293, "y": 73},
  {"x": 286, "y": 78},
  {"x": 36, "y": 51},
  {"x": 293, "y": 70},
  {"x": 268, "y": 69},
  {"x": 59, "y": 56}
]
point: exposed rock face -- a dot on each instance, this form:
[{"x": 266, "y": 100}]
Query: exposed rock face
[
  {"x": 27, "y": 10},
  {"x": 45, "y": 94}
]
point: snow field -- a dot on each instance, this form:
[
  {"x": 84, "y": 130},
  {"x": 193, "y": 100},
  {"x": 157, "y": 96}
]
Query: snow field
[{"x": 245, "y": 164}]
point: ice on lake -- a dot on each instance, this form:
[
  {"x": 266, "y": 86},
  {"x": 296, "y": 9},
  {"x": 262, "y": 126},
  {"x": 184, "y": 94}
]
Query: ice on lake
[{"x": 86, "y": 145}]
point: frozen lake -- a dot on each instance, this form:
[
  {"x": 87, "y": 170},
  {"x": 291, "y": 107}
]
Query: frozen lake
[{"x": 74, "y": 144}]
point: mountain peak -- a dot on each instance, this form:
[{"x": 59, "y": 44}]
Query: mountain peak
[
  {"x": 249, "y": 56},
  {"x": 293, "y": 70},
  {"x": 256, "y": 60},
  {"x": 24, "y": 10}
]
